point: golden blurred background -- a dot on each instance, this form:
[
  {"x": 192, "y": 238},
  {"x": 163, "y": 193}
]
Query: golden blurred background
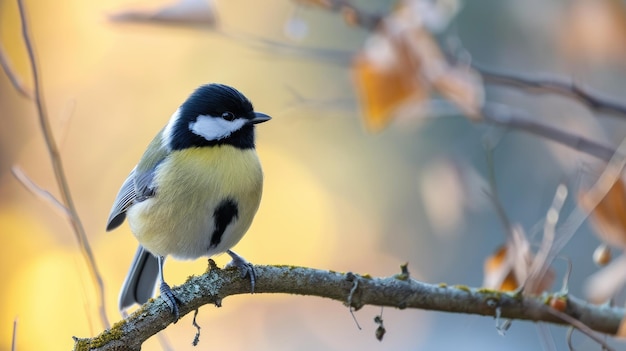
[{"x": 335, "y": 196}]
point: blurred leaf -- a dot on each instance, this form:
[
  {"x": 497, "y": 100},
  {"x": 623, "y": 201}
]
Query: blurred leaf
[
  {"x": 437, "y": 14},
  {"x": 402, "y": 62},
  {"x": 621, "y": 332},
  {"x": 595, "y": 30},
  {"x": 608, "y": 218},
  {"x": 510, "y": 267},
  {"x": 605, "y": 283},
  {"x": 498, "y": 275},
  {"x": 463, "y": 87},
  {"x": 385, "y": 79},
  {"x": 602, "y": 255}
]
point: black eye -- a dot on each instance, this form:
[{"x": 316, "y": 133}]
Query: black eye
[{"x": 229, "y": 116}]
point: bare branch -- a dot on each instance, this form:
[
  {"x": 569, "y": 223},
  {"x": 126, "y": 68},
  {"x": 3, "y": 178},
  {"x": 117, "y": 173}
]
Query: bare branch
[
  {"x": 57, "y": 165},
  {"x": 516, "y": 119},
  {"x": 14, "y": 336},
  {"x": 540, "y": 266},
  {"x": 502, "y": 115},
  {"x": 575, "y": 323},
  {"x": 558, "y": 86},
  {"x": 396, "y": 291},
  {"x": 494, "y": 195},
  {"x": 38, "y": 191},
  {"x": 12, "y": 75},
  {"x": 538, "y": 85}
]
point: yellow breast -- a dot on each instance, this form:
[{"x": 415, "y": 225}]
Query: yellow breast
[{"x": 190, "y": 184}]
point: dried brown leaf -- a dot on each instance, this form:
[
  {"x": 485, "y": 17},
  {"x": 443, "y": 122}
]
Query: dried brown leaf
[
  {"x": 498, "y": 273},
  {"x": 608, "y": 218},
  {"x": 510, "y": 267},
  {"x": 385, "y": 79},
  {"x": 402, "y": 62}
]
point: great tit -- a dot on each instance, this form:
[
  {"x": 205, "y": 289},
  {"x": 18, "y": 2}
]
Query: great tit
[{"x": 194, "y": 191}]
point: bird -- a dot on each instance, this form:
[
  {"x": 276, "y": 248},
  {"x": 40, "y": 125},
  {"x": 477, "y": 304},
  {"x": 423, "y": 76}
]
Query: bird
[{"x": 193, "y": 193}]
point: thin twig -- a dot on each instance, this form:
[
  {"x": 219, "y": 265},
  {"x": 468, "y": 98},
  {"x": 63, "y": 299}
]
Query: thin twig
[
  {"x": 558, "y": 86},
  {"x": 543, "y": 259},
  {"x": 196, "y": 338},
  {"x": 596, "y": 193},
  {"x": 570, "y": 333},
  {"x": 16, "y": 82},
  {"x": 494, "y": 195},
  {"x": 355, "y": 282},
  {"x": 519, "y": 120},
  {"x": 14, "y": 336},
  {"x": 57, "y": 165},
  {"x": 566, "y": 275},
  {"x": 575, "y": 323},
  {"x": 39, "y": 191}
]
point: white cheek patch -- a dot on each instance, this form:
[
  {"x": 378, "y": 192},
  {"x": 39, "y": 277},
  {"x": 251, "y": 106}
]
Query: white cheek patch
[{"x": 215, "y": 128}]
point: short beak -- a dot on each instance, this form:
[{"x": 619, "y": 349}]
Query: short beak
[{"x": 260, "y": 118}]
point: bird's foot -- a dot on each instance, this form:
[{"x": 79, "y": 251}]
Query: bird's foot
[
  {"x": 244, "y": 267},
  {"x": 170, "y": 299}
]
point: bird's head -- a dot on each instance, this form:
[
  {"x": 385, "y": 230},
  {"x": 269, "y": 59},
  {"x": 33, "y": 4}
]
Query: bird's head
[{"x": 214, "y": 114}]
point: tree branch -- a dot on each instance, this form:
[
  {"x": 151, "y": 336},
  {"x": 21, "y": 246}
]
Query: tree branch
[
  {"x": 16, "y": 82},
  {"x": 397, "y": 291},
  {"x": 39, "y": 191},
  {"x": 538, "y": 85},
  {"x": 518, "y": 120},
  {"x": 558, "y": 86}
]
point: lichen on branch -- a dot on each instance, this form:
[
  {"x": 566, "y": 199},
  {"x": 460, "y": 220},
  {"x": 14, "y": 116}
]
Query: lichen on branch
[{"x": 399, "y": 291}]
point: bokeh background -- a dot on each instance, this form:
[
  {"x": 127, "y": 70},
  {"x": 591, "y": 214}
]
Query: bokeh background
[{"x": 336, "y": 197}]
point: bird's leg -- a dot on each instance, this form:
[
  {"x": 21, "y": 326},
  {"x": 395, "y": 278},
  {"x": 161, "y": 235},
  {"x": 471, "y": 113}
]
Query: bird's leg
[
  {"x": 244, "y": 267},
  {"x": 166, "y": 292}
]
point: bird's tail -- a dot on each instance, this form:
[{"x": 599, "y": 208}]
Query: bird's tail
[{"x": 141, "y": 280}]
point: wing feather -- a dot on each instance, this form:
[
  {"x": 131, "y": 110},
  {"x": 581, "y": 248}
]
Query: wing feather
[
  {"x": 125, "y": 197},
  {"x": 138, "y": 186}
]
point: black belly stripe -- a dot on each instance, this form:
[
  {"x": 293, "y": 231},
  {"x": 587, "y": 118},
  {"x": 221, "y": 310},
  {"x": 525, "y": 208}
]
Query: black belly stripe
[{"x": 225, "y": 213}]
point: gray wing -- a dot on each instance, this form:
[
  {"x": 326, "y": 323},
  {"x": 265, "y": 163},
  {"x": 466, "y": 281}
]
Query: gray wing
[
  {"x": 138, "y": 185},
  {"x": 136, "y": 188},
  {"x": 125, "y": 197}
]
